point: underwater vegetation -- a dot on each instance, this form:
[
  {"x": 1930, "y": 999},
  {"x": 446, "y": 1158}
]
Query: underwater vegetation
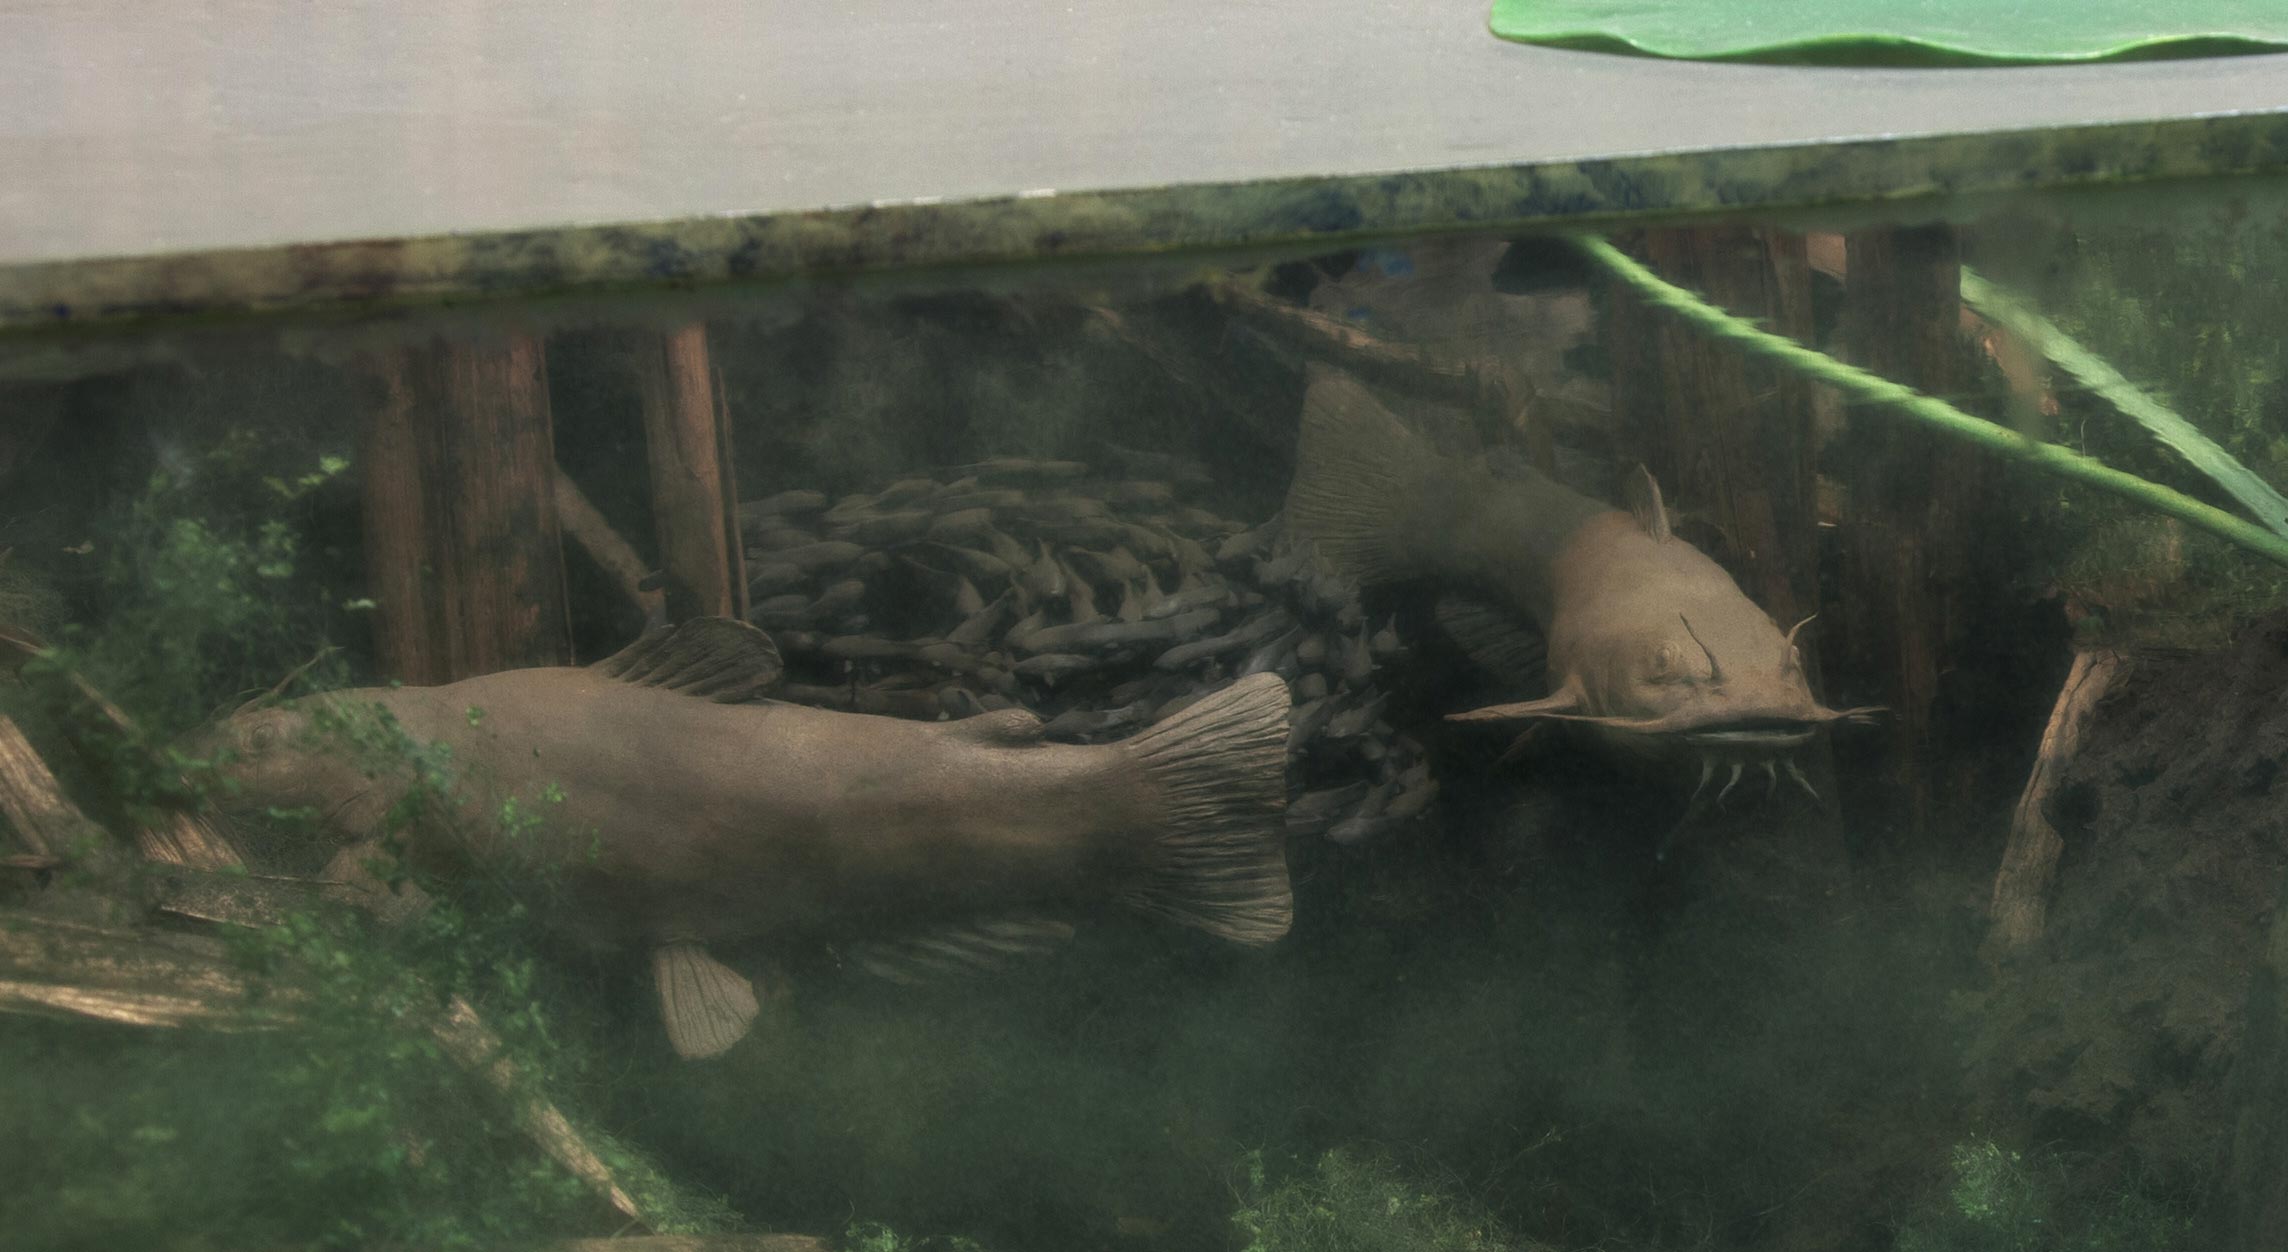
[{"x": 2005, "y": 1200}]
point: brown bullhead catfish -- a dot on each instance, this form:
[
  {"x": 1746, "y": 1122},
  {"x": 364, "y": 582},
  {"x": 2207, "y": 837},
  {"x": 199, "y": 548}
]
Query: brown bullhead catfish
[
  {"x": 680, "y": 813},
  {"x": 1641, "y": 635}
]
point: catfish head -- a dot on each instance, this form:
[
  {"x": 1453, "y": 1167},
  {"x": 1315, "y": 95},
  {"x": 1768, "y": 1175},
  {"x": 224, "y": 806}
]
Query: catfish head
[
  {"x": 300, "y": 768},
  {"x": 1652, "y": 645}
]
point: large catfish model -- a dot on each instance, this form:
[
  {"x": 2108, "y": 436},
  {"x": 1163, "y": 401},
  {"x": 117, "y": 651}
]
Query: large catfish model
[
  {"x": 690, "y": 815},
  {"x": 1642, "y": 637}
]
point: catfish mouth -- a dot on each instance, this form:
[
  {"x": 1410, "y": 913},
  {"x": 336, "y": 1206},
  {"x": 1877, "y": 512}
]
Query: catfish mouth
[{"x": 1750, "y": 734}]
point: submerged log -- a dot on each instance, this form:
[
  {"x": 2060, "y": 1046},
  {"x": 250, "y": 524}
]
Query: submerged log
[
  {"x": 176, "y": 837},
  {"x": 65, "y": 969},
  {"x": 694, "y": 505},
  {"x": 33, "y": 804},
  {"x": 2030, "y": 860},
  {"x": 463, "y": 558},
  {"x": 611, "y": 553}
]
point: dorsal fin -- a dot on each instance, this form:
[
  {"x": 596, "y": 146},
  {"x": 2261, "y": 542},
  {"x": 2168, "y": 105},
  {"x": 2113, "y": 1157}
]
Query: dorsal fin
[
  {"x": 713, "y": 658},
  {"x": 1643, "y": 498}
]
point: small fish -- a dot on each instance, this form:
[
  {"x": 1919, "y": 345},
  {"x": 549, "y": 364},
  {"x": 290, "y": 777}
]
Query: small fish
[
  {"x": 1054, "y": 666},
  {"x": 777, "y": 538},
  {"x": 1351, "y": 723},
  {"x": 1307, "y": 720},
  {"x": 982, "y": 566},
  {"x": 773, "y": 576},
  {"x": 966, "y": 600},
  {"x": 886, "y": 528},
  {"x": 1019, "y": 469},
  {"x": 1084, "y": 723},
  {"x": 978, "y": 627},
  {"x": 842, "y": 595},
  {"x": 907, "y": 491},
  {"x": 787, "y": 610},
  {"x": 813, "y": 557},
  {"x": 1200, "y": 595},
  {"x": 691, "y": 818},
  {"x": 1247, "y": 635},
  {"x": 1044, "y": 578},
  {"x": 791, "y": 503},
  {"x": 1139, "y": 494},
  {"x": 1245, "y": 545},
  {"x": 1276, "y": 656},
  {"x": 960, "y": 524},
  {"x": 1079, "y": 595}
]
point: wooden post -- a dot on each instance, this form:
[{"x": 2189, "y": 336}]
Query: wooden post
[
  {"x": 1918, "y": 520},
  {"x": 463, "y": 556},
  {"x": 694, "y": 502},
  {"x": 1730, "y": 439}
]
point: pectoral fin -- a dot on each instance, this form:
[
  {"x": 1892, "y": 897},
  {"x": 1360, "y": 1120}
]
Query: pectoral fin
[{"x": 706, "y": 1005}]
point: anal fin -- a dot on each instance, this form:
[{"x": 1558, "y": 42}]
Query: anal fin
[
  {"x": 965, "y": 950},
  {"x": 706, "y": 1005}
]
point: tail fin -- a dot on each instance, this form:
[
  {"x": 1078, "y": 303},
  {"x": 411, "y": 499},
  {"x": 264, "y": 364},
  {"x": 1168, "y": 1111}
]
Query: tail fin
[
  {"x": 1359, "y": 476},
  {"x": 1220, "y": 767}
]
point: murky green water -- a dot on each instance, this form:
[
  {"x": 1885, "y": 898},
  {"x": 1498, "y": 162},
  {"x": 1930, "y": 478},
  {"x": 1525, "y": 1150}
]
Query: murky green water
[{"x": 1078, "y": 849}]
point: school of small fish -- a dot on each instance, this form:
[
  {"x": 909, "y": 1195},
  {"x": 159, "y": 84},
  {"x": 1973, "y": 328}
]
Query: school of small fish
[{"x": 1100, "y": 604}]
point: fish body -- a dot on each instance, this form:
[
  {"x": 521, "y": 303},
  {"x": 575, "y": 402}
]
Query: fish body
[
  {"x": 1643, "y": 636},
  {"x": 681, "y": 815}
]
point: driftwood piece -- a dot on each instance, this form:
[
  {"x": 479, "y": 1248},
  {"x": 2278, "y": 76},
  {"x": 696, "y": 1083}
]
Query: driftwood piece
[
  {"x": 463, "y": 556},
  {"x": 474, "y": 1047},
  {"x": 604, "y": 545},
  {"x": 694, "y": 505},
  {"x": 2030, "y": 860},
  {"x": 55, "y": 968},
  {"x": 33, "y": 803},
  {"x": 178, "y": 838},
  {"x": 1401, "y": 367}
]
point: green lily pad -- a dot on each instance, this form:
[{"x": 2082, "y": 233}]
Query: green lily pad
[{"x": 1900, "y": 32}]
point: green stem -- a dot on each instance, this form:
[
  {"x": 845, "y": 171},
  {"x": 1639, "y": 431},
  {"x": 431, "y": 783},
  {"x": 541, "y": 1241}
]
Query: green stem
[
  {"x": 1997, "y": 304},
  {"x": 1935, "y": 413}
]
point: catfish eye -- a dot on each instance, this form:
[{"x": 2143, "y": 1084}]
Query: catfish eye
[
  {"x": 1665, "y": 663},
  {"x": 262, "y": 737}
]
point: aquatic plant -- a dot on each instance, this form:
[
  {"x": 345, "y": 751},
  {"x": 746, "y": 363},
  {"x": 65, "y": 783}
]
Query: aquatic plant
[
  {"x": 1351, "y": 1201},
  {"x": 1936, "y": 414},
  {"x": 2004, "y": 1200}
]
